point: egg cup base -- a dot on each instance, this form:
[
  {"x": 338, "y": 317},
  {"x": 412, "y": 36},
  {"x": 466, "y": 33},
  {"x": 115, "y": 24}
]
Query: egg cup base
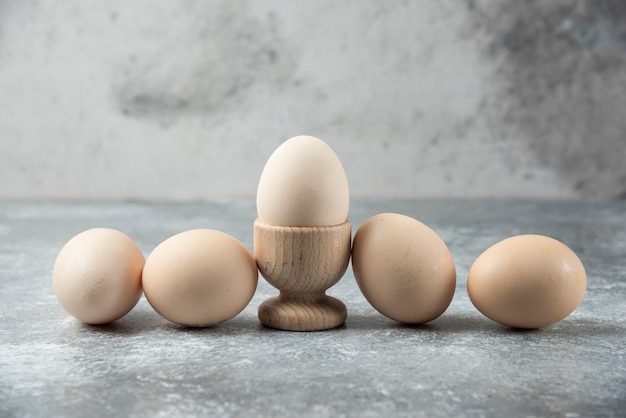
[{"x": 286, "y": 314}]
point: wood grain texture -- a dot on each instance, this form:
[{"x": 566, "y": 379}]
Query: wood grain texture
[{"x": 302, "y": 262}]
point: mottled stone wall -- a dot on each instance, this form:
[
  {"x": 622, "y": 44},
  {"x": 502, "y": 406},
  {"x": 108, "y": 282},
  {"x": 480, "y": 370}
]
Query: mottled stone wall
[{"x": 186, "y": 99}]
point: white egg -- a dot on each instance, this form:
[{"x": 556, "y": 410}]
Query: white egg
[{"x": 303, "y": 184}]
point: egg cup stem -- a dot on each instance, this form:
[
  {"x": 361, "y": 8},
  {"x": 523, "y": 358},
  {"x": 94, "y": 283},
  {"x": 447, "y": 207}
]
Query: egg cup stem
[{"x": 302, "y": 262}]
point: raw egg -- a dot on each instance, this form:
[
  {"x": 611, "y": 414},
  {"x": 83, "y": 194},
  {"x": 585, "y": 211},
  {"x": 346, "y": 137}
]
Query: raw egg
[
  {"x": 527, "y": 281},
  {"x": 403, "y": 268},
  {"x": 97, "y": 275},
  {"x": 200, "y": 277},
  {"x": 303, "y": 184}
]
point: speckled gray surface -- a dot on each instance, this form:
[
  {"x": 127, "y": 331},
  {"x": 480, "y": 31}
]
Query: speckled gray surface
[{"x": 461, "y": 364}]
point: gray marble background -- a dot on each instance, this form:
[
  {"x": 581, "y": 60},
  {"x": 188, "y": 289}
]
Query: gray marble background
[{"x": 186, "y": 99}]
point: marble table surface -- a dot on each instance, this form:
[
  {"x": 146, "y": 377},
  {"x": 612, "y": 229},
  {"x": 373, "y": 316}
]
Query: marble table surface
[{"x": 461, "y": 364}]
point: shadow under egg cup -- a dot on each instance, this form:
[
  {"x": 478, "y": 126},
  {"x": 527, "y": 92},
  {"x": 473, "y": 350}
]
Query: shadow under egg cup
[{"x": 302, "y": 262}]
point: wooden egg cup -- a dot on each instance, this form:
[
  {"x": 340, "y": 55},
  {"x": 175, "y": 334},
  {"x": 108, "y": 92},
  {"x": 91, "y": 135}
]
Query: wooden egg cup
[{"x": 302, "y": 262}]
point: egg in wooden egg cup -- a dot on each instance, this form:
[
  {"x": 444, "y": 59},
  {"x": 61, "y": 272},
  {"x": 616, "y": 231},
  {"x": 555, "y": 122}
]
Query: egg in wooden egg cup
[{"x": 302, "y": 237}]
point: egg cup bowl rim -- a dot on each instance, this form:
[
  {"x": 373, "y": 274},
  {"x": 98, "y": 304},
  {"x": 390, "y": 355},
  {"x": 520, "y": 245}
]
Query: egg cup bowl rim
[{"x": 258, "y": 222}]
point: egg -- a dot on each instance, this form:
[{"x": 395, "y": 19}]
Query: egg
[
  {"x": 303, "y": 183},
  {"x": 403, "y": 268},
  {"x": 97, "y": 275},
  {"x": 200, "y": 277},
  {"x": 527, "y": 281}
]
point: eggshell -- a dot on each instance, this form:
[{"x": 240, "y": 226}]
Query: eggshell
[
  {"x": 527, "y": 281},
  {"x": 403, "y": 268},
  {"x": 200, "y": 277},
  {"x": 97, "y": 275},
  {"x": 303, "y": 184}
]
